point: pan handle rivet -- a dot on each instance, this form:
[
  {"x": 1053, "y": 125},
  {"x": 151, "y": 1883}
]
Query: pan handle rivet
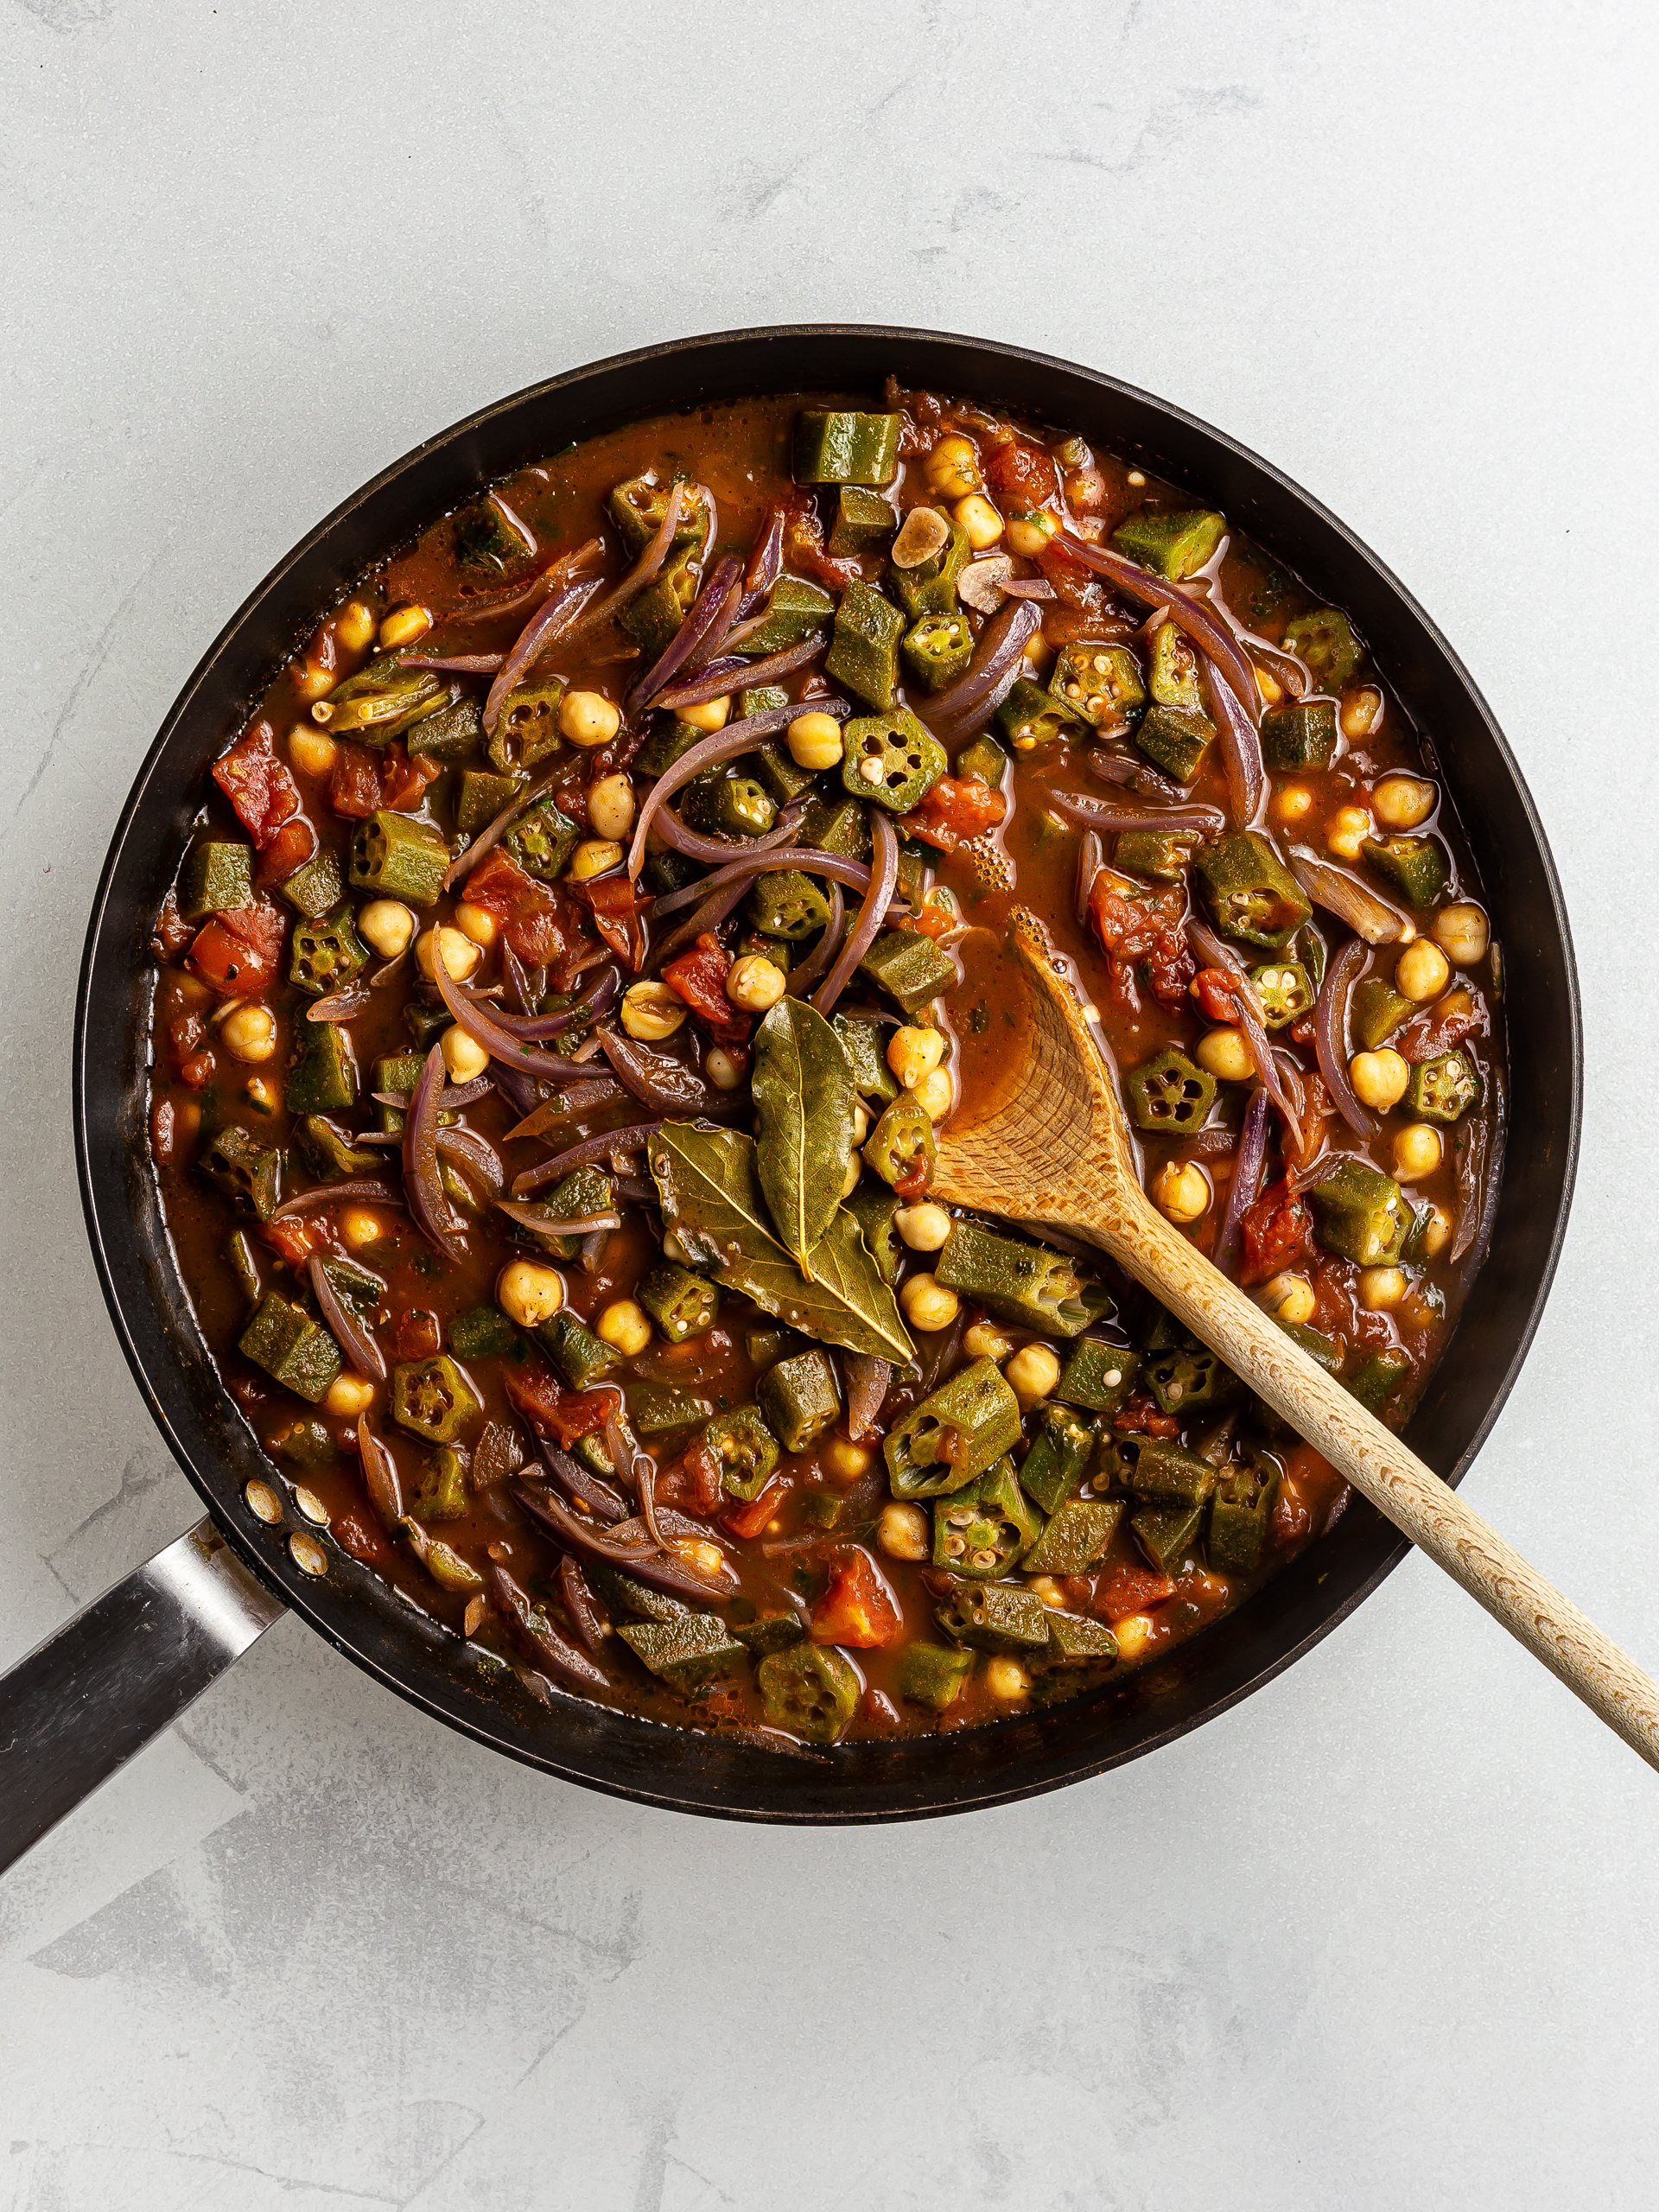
[
  {"x": 307, "y": 1554},
  {"x": 263, "y": 1502}
]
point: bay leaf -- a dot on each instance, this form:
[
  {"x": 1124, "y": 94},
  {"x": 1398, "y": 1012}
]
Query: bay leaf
[
  {"x": 803, "y": 1097},
  {"x": 709, "y": 1183}
]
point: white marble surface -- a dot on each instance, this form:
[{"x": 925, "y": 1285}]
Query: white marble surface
[{"x": 1383, "y": 1936}]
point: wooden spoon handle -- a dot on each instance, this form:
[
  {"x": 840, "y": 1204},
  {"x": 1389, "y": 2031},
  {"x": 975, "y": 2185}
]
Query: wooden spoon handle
[{"x": 1397, "y": 1483}]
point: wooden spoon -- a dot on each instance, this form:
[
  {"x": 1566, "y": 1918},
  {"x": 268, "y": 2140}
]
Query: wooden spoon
[{"x": 1057, "y": 1152}]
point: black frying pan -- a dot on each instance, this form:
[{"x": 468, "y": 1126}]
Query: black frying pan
[{"x": 94, "y": 1693}]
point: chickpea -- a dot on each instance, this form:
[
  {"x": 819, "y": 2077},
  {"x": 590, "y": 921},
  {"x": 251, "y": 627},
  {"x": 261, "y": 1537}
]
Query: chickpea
[
  {"x": 928, "y": 1305},
  {"x": 1181, "y": 1190},
  {"x": 588, "y": 718},
  {"x": 624, "y": 1325},
  {"x": 651, "y": 1011},
  {"x": 1290, "y": 1300},
  {"x": 902, "y": 1532},
  {"x": 983, "y": 1341},
  {"x": 720, "y": 1068},
  {"x": 1381, "y": 1289},
  {"x": 476, "y": 924},
  {"x": 312, "y": 683},
  {"x": 610, "y": 806},
  {"x": 250, "y": 1032},
  {"x": 359, "y": 1227},
  {"x": 1346, "y": 831},
  {"x": 1417, "y": 1152},
  {"x": 755, "y": 982},
  {"x": 1006, "y": 1680},
  {"x": 349, "y": 1394},
  {"x": 1437, "y": 1233},
  {"x": 815, "y": 741},
  {"x": 845, "y": 1460},
  {"x": 388, "y": 925},
  {"x": 1226, "y": 1052},
  {"x": 1401, "y": 802},
  {"x": 1362, "y": 712},
  {"x": 860, "y": 1120},
  {"x": 850, "y": 1179},
  {"x": 464, "y": 1057},
  {"x": 1462, "y": 932},
  {"x": 1046, "y": 1587},
  {"x": 1294, "y": 803},
  {"x": 1133, "y": 1634},
  {"x": 708, "y": 713},
  {"x": 1422, "y": 971},
  {"x": 461, "y": 955},
  {"x": 979, "y": 520},
  {"x": 354, "y": 625},
  {"x": 952, "y": 469},
  {"x": 933, "y": 1094},
  {"x": 923, "y": 1227},
  {"x": 913, "y": 1053},
  {"x": 1379, "y": 1078},
  {"x": 261, "y": 1092},
  {"x": 593, "y": 856},
  {"x": 1039, "y": 652},
  {"x": 313, "y": 752},
  {"x": 528, "y": 1294},
  {"x": 1028, "y": 534},
  {"x": 404, "y": 626},
  {"x": 1033, "y": 1372}
]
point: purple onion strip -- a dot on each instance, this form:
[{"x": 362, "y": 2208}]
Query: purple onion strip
[
  {"x": 348, "y": 1330},
  {"x": 1247, "y": 1001},
  {"x": 578, "y": 1601},
  {"x": 359, "y": 1191},
  {"x": 661, "y": 1571},
  {"x": 644, "y": 571},
  {"x": 1201, "y": 623},
  {"x": 1100, "y": 814},
  {"x": 802, "y": 979},
  {"x": 577, "y": 1482},
  {"x": 714, "y": 850},
  {"x": 715, "y": 681},
  {"x": 666, "y": 1085},
  {"x": 861, "y": 936},
  {"x": 634, "y": 1137},
  {"x": 867, "y": 1381},
  {"x": 341, "y": 1006},
  {"x": 979, "y": 690},
  {"x": 484, "y": 1029},
  {"x": 432, "y": 1212},
  {"x": 455, "y": 664},
  {"x": 483, "y": 1160},
  {"x": 700, "y": 619},
  {"x": 538, "y": 1634},
  {"x": 531, "y": 1028},
  {"x": 1248, "y": 1164},
  {"x": 709, "y": 752},
  {"x": 1240, "y": 746},
  {"x": 380, "y": 1477},
  {"x": 1349, "y": 899},
  {"x": 1091, "y": 861},
  {"x": 1331, "y": 1035},
  {"x": 492, "y": 832},
  {"x": 545, "y": 627}
]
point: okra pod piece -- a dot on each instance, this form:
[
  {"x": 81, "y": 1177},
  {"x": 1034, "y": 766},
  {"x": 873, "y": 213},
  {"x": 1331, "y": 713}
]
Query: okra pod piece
[
  {"x": 1027, "y": 1284},
  {"x": 637, "y": 508},
  {"x": 686, "y": 1652},
  {"x": 652, "y": 621},
  {"x": 721, "y": 804},
  {"x": 1170, "y": 1094},
  {"x": 811, "y": 1690},
  {"x": 1376, "y": 1010},
  {"x": 781, "y": 778},
  {"x": 1030, "y": 716},
  {"x": 929, "y": 585},
  {"x": 580, "y": 1357},
  {"x": 910, "y": 967},
  {"x": 1053, "y": 1468},
  {"x": 1173, "y": 671},
  {"x": 313, "y": 889},
  {"x": 799, "y": 1399},
  {"x": 864, "y": 652},
  {"x": 1101, "y": 682},
  {"x": 443, "y": 1493},
  {"x": 322, "y": 1077},
  {"x": 892, "y": 760},
  {"x": 835, "y": 824},
  {"x": 793, "y": 611},
  {"x": 1414, "y": 866},
  {"x": 396, "y": 857},
  {"x": 681, "y": 1304},
  {"x": 656, "y": 1409},
  {"x": 839, "y": 446},
  {"x": 542, "y": 840},
  {"x": 1175, "y": 740},
  {"x": 1075, "y": 1536},
  {"x": 1285, "y": 991},
  {"x": 993, "y": 1617},
  {"x": 631, "y": 1600},
  {"x": 527, "y": 727},
  {"x": 1302, "y": 736},
  {"x": 293, "y": 1349},
  {"x": 1377, "y": 1378},
  {"x": 1326, "y": 642},
  {"x": 585, "y": 1191},
  {"x": 425, "y": 1025},
  {"x": 1097, "y": 1375},
  {"x": 483, "y": 796},
  {"x": 963, "y": 1427},
  {"x": 668, "y": 738},
  {"x": 1440, "y": 1090},
  {"x": 432, "y": 1398},
  {"x": 770, "y": 1632},
  {"x": 1165, "y": 855},
  {"x": 933, "y": 1674},
  {"x": 453, "y": 733},
  {"x": 1325, "y": 1350},
  {"x": 746, "y": 1451},
  {"x": 787, "y": 904},
  {"x": 308, "y": 1444},
  {"x": 1165, "y": 1474},
  {"x": 1240, "y": 1515},
  {"x": 937, "y": 648},
  {"x": 1167, "y": 1535},
  {"x": 332, "y": 1153},
  {"x": 238, "y": 1250},
  {"x": 483, "y": 1332},
  {"x": 399, "y": 1072},
  {"x": 865, "y": 1044},
  {"x": 327, "y": 954},
  {"x": 985, "y": 1528},
  {"x": 1254, "y": 895},
  {"x": 1360, "y": 1214},
  {"x": 244, "y": 1168},
  {"x": 1180, "y": 1380},
  {"x": 862, "y": 518},
  {"x": 216, "y": 879},
  {"x": 1173, "y": 543},
  {"x": 873, "y": 1207},
  {"x": 901, "y": 1143},
  {"x": 984, "y": 758},
  {"x": 383, "y": 699},
  {"x": 1074, "y": 1640}
]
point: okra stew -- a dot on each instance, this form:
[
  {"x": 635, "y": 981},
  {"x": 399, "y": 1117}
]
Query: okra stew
[{"x": 581, "y": 948}]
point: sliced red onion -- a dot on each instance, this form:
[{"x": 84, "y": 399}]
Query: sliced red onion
[
  {"x": 1331, "y": 1035},
  {"x": 480, "y": 1159},
  {"x": 520, "y": 529},
  {"x": 715, "y": 681},
  {"x": 1091, "y": 861},
  {"x": 1350, "y": 900},
  {"x": 455, "y": 664},
  {"x": 580, "y": 1098},
  {"x": 465, "y": 863},
  {"x": 359, "y": 1191},
  {"x": 1201, "y": 623},
  {"x": 1028, "y": 588},
  {"x": 666, "y": 1085},
  {"x": 451, "y": 1099},
  {"x": 712, "y": 850},
  {"x": 432, "y": 1212},
  {"x": 855, "y": 874},
  {"x": 538, "y": 1635},
  {"x": 1250, "y": 1159},
  {"x": 484, "y": 1029},
  {"x": 341, "y": 1006},
  {"x": 1247, "y": 1001},
  {"x": 709, "y": 752},
  {"x": 578, "y": 1602},
  {"x": 1100, "y": 814},
  {"x": 573, "y": 1478},
  {"x": 644, "y": 571},
  {"x": 802, "y": 979},
  {"x": 514, "y": 602},
  {"x": 765, "y": 556},
  {"x": 534, "y": 1218},
  {"x": 381, "y": 1475},
  {"x": 699, "y": 620},
  {"x": 545, "y": 627},
  {"x": 533, "y": 1028},
  {"x": 861, "y": 936},
  {"x": 1240, "y": 746},
  {"x": 663, "y": 1570},
  {"x": 712, "y": 912},
  {"x": 867, "y": 1381},
  {"x": 1477, "y": 1164},
  {"x": 967, "y": 704},
  {"x": 390, "y": 972},
  {"x": 348, "y": 1330},
  {"x": 719, "y": 635},
  {"x": 634, "y": 1137},
  {"x": 522, "y": 1092}
]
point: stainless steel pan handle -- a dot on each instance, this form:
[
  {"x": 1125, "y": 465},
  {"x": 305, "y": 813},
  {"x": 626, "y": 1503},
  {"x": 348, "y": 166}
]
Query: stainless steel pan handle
[{"x": 107, "y": 1681}]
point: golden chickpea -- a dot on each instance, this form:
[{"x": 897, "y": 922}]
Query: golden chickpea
[
  {"x": 1379, "y": 1078},
  {"x": 464, "y": 1057},
  {"x": 923, "y": 1227},
  {"x": 359, "y": 1227},
  {"x": 815, "y": 741},
  {"x": 983, "y": 1341},
  {"x": 625, "y": 1326},
  {"x": 853, "y": 1170},
  {"x": 461, "y": 955},
  {"x": 1422, "y": 971},
  {"x": 588, "y": 718},
  {"x": 250, "y": 1032},
  {"x": 1462, "y": 932},
  {"x": 1381, "y": 1289},
  {"x": 312, "y": 750},
  {"x": 476, "y": 924},
  {"x": 1417, "y": 1151},
  {"x": 1225, "y": 1052},
  {"x": 1437, "y": 1233},
  {"x": 388, "y": 925},
  {"x": 1294, "y": 803},
  {"x": 1033, "y": 1372},
  {"x": 1049, "y": 1591},
  {"x": 860, "y": 1120},
  {"x": 528, "y": 1294},
  {"x": 979, "y": 520},
  {"x": 1346, "y": 831},
  {"x": 593, "y": 856},
  {"x": 1181, "y": 1190},
  {"x": 1289, "y": 1300},
  {"x": 610, "y": 807},
  {"x": 1133, "y": 1634},
  {"x": 1362, "y": 712},
  {"x": 913, "y": 1053},
  {"x": 313, "y": 684},
  {"x": 1028, "y": 534},
  {"x": 348, "y": 1396},
  {"x": 754, "y": 982},
  {"x": 845, "y": 1460},
  {"x": 928, "y": 1305},
  {"x": 651, "y": 1011},
  {"x": 722, "y": 1069},
  {"x": 708, "y": 713},
  {"x": 354, "y": 627},
  {"x": 1268, "y": 685},
  {"x": 404, "y": 626},
  {"x": 1401, "y": 802},
  {"x": 952, "y": 469},
  {"x": 1006, "y": 1680},
  {"x": 903, "y": 1533},
  {"x": 933, "y": 1094},
  {"x": 1038, "y": 652}
]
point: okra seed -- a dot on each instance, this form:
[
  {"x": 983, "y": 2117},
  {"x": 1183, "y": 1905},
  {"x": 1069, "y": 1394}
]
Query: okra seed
[
  {"x": 1290, "y": 1300},
  {"x": 312, "y": 752},
  {"x": 464, "y": 1057},
  {"x": 594, "y": 857},
  {"x": 263, "y": 1502},
  {"x": 1006, "y": 1680},
  {"x": 651, "y": 1011},
  {"x": 588, "y": 718},
  {"x": 708, "y": 714},
  {"x": 1417, "y": 1152},
  {"x": 928, "y": 1305},
  {"x": 902, "y": 1532},
  {"x": 250, "y": 1032},
  {"x": 388, "y": 924},
  {"x": 1401, "y": 802},
  {"x": 722, "y": 1069},
  {"x": 923, "y": 1227},
  {"x": 624, "y": 1325},
  {"x": 312, "y": 1506},
  {"x": 403, "y": 625},
  {"x": 1422, "y": 971},
  {"x": 610, "y": 806},
  {"x": 1224, "y": 1052},
  {"x": 1381, "y": 1289},
  {"x": 348, "y": 1396},
  {"x": 1437, "y": 1231},
  {"x": 984, "y": 1559},
  {"x": 1462, "y": 932},
  {"x": 528, "y": 1294},
  {"x": 870, "y": 769},
  {"x": 1346, "y": 831},
  {"x": 307, "y": 1554},
  {"x": 1181, "y": 1190},
  {"x": 1379, "y": 1078},
  {"x": 955, "y": 1547}
]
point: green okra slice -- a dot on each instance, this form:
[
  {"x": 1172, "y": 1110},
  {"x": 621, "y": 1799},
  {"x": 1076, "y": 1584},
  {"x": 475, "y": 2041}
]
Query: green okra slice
[
  {"x": 483, "y": 796},
  {"x": 1180, "y": 1379},
  {"x": 1173, "y": 671},
  {"x": 580, "y": 1357},
  {"x": 1060, "y": 1451},
  {"x": 811, "y": 1690},
  {"x": 933, "y": 1674},
  {"x": 986, "y": 1528},
  {"x": 656, "y": 1409},
  {"x": 799, "y": 1399},
  {"x": 873, "y": 1207},
  {"x": 984, "y": 758},
  {"x": 965, "y": 1425},
  {"x": 865, "y": 1044},
  {"x": 864, "y": 652},
  {"x": 542, "y": 840},
  {"x": 319, "y": 884},
  {"x": 1170, "y": 1094},
  {"x": 1075, "y": 1536},
  {"x": 453, "y": 733},
  {"x": 768, "y": 1633},
  {"x": 781, "y": 776},
  {"x": 1360, "y": 1214},
  {"x": 910, "y": 967},
  {"x": 1442, "y": 1089},
  {"x": 1240, "y": 1515},
  {"x": 684, "y": 1653},
  {"x": 483, "y": 1332},
  {"x": 634, "y": 1601},
  {"x": 1167, "y": 1535},
  {"x": 1173, "y": 543},
  {"x": 1101, "y": 682},
  {"x": 843, "y": 446},
  {"x": 1074, "y": 1640},
  {"x": 308, "y": 1444},
  {"x": 1097, "y": 1375},
  {"x": 576, "y": 1197},
  {"x": 721, "y": 804},
  {"x": 432, "y": 1398},
  {"x": 293, "y": 1349},
  {"x": 901, "y": 1145},
  {"x": 787, "y": 903},
  {"x": 1031, "y": 716},
  {"x": 637, "y": 505},
  {"x": 681, "y": 1304},
  {"x": 929, "y": 585},
  {"x": 327, "y": 953},
  {"x": 668, "y": 741},
  {"x": 1286, "y": 990},
  {"x": 993, "y": 1617},
  {"x": 937, "y": 648},
  {"x": 652, "y": 621},
  {"x": 385, "y": 699},
  {"x": 1165, "y": 855},
  {"x": 238, "y": 1250},
  {"x": 1414, "y": 866},
  {"x": 1175, "y": 740},
  {"x": 836, "y": 823},
  {"x": 1027, "y": 1284},
  {"x": 1376, "y": 1010},
  {"x": 396, "y": 857},
  {"x": 745, "y": 1449},
  {"x": 323, "y": 1077},
  {"x": 1325, "y": 1351},
  {"x": 1377, "y": 1378},
  {"x": 443, "y": 1493},
  {"x": 1252, "y": 894},
  {"x": 1302, "y": 736},
  {"x": 216, "y": 879},
  {"x": 244, "y": 1168},
  {"x": 1325, "y": 640},
  {"x": 333, "y": 1154},
  {"x": 795, "y": 609},
  {"x": 862, "y": 518},
  {"x": 1164, "y": 1473}
]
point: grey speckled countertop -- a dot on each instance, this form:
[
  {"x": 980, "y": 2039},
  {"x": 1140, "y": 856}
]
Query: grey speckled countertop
[{"x": 1383, "y": 1936}]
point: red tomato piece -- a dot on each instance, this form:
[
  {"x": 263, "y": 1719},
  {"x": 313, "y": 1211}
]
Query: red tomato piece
[
  {"x": 291, "y": 847},
  {"x": 363, "y": 1540},
  {"x": 1132, "y": 1589},
  {"x": 615, "y": 909},
  {"x": 553, "y": 1411},
  {"x": 258, "y": 784},
  {"x": 858, "y": 1608},
  {"x": 416, "y": 1333},
  {"x": 403, "y": 779},
  {"x": 239, "y": 954},
  {"x": 749, "y": 1520},
  {"x": 1024, "y": 475},
  {"x": 1139, "y": 1416},
  {"x": 692, "y": 1484},
  {"x": 354, "y": 787},
  {"x": 540, "y": 922},
  {"x": 957, "y": 810},
  {"x": 1276, "y": 1229},
  {"x": 1215, "y": 992},
  {"x": 290, "y": 1240},
  {"x": 699, "y": 977}
]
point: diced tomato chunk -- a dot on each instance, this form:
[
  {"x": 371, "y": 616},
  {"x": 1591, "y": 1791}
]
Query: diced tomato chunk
[
  {"x": 553, "y": 1411},
  {"x": 354, "y": 787},
  {"x": 957, "y": 810},
  {"x": 1215, "y": 992},
  {"x": 257, "y": 783},
  {"x": 749, "y": 1520},
  {"x": 1132, "y": 1589},
  {"x": 692, "y": 1484},
  {"x": 239, "y": 954},
  {"x": 615, "y": 909},
  {"x": 403, "y": 779},
  {"x": 858, "y": 1608},
  {"x": 362, "y": 1540},
  {"x": 1024, "y": 475},
  {"x": 291, "y": 847},
  {"x": 539, "y": 921},
  {"x": 290, "y": 1240},
  {"x": 1139, "y": 1416},
  {"x": 1276, "y": 1229},
  {"x": 699, "y": 977}
]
